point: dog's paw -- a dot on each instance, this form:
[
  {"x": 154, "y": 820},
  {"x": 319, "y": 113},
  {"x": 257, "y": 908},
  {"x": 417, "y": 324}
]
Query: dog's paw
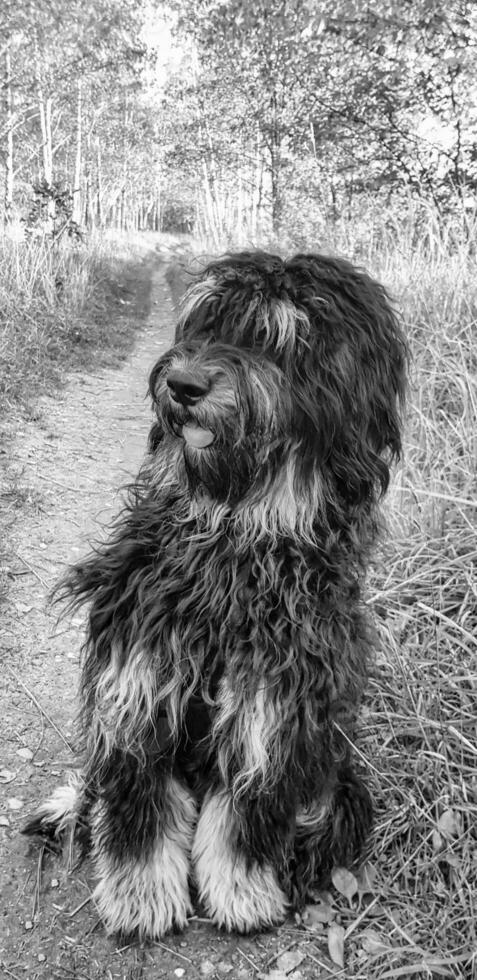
[
  {"x": 148, "y": 894},
  {"x": 238, "y": 895},
  {"x": 241, "y": 898},
  {"x": 58, "y": 813},
  {"x": 148, "y": 899}
]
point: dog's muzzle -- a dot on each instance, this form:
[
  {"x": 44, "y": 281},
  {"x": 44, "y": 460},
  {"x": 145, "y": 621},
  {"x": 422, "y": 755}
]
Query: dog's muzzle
[{"x": 187, "y": 389}]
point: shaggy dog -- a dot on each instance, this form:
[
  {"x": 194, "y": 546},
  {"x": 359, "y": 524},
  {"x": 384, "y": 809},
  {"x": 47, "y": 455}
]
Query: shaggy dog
[{"x": 227, "y": 647}]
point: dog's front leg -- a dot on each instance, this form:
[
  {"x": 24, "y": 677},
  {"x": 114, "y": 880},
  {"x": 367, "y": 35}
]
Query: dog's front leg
[
  {"x": 142, "y": 825},
  {"x": 236, "y": 856},
  {"x": 240, "y": 892},
  {"x": 141, "y": 817}
]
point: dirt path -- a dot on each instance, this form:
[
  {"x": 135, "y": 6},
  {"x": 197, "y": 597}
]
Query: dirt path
[{"x": 70, "y": 461}]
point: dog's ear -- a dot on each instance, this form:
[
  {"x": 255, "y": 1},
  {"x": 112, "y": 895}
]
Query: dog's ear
[{"x": 350, "y": 386}]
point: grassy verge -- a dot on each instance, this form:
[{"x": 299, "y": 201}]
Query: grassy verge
[
  {"x": 420, "y": 738},
  {"x": 418, "y": 741},
  {"x": 63, "y": 308}
]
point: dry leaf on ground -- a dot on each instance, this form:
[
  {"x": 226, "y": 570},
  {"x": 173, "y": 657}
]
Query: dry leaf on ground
[{"x": 336, "y": 935}]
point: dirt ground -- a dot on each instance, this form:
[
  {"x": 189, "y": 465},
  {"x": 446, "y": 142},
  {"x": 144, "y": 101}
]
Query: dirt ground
[{"x": 61, "y": 472}]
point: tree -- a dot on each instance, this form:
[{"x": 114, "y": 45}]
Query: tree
[
  {"x": 69, "y": 66},
  {"x": 339, "y": 95}
]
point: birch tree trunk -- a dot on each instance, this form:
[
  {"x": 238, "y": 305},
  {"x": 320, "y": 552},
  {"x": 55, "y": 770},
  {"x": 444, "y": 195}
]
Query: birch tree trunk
[
  {"x": 88, "y": 219},
  {"x": 8, "y": 212},
  {"x": 157, "y": 216},
  {"x": 99, "y": 187},
  {"x": 44, "y": 105},
  {"x": 77, "y": 178}
]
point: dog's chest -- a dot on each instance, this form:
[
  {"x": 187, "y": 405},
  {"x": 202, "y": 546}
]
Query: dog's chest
[
  {"x": 201, "y": 581},
  {"x": 191, "y": 595},
  {"x": 217, "y": 593}
]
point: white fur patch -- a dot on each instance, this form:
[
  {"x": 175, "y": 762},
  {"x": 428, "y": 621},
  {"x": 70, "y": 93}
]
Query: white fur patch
[
  {"x": 311, "y": 819},
  {"x": 151, "y": 896},
  {"x": 254, "y": 727},
  {"x": 282, "y": 510},
  {"x": 280, "y": 320},
  {"x": 258, "y": 730},
  {"x": 165, "y": 464},
  {"x": 124, "y": 701},
  {"x": 197, "y": 294},
  {"x": 237, "y": 896},
  {"x": 62, "y": 806}
]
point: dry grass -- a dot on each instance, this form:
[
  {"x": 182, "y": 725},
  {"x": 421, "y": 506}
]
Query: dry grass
[
  {"x": 53, "y": 301},
  {"x": 420, "y": 726}
]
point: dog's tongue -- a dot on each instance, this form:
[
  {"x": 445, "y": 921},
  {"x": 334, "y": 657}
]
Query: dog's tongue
[{"x": 197, "y": 437}]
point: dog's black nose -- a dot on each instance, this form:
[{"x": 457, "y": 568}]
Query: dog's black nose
[{"x": 185, "y": 387}]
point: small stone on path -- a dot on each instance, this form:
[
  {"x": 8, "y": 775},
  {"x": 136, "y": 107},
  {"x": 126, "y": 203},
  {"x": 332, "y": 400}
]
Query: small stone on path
[{"x": 207, "y": 968}]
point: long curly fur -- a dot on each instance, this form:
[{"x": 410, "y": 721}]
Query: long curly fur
[{"x": 227, "y": 648}]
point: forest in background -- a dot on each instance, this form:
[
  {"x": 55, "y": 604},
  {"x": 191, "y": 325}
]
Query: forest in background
[{"x": 232, "y": 120}]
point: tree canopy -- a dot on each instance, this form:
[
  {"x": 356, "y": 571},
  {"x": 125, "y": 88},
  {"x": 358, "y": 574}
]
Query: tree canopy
[{"x": 269, "y": 109}]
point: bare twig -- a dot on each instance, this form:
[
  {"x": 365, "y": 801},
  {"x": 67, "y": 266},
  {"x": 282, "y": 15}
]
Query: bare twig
[
  {"x": 80, "y": 906},
  {"x": 33, "y": 571},
  {"x": 282, "y": 951},
  {"x": 249, "y": 960},
  {"x": 9, "y": 972},
  {"x": 174, "y": 952},
  {"x": 36, "y": 892},
  {"x": 41, "y": 709}
]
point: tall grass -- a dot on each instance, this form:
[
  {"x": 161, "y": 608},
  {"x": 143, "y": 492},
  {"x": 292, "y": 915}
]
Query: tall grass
[
  {"x": 51, "y": 300},
  {"x": 418, "y": 741},
  {"x": 421, "y": 723}
]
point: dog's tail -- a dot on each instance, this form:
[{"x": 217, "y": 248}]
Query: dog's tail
[
  {"x": 332, "y": 835},
  {"x": 59, "y": 813},
  {"x": 351, "y": 820}
]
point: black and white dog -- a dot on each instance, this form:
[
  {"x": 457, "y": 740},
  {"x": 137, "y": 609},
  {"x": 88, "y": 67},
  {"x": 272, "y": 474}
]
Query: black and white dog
[{"x": 227, "y": 648}]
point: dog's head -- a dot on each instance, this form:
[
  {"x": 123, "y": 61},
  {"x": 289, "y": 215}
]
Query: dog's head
[{"x": 283, "y": 385}]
